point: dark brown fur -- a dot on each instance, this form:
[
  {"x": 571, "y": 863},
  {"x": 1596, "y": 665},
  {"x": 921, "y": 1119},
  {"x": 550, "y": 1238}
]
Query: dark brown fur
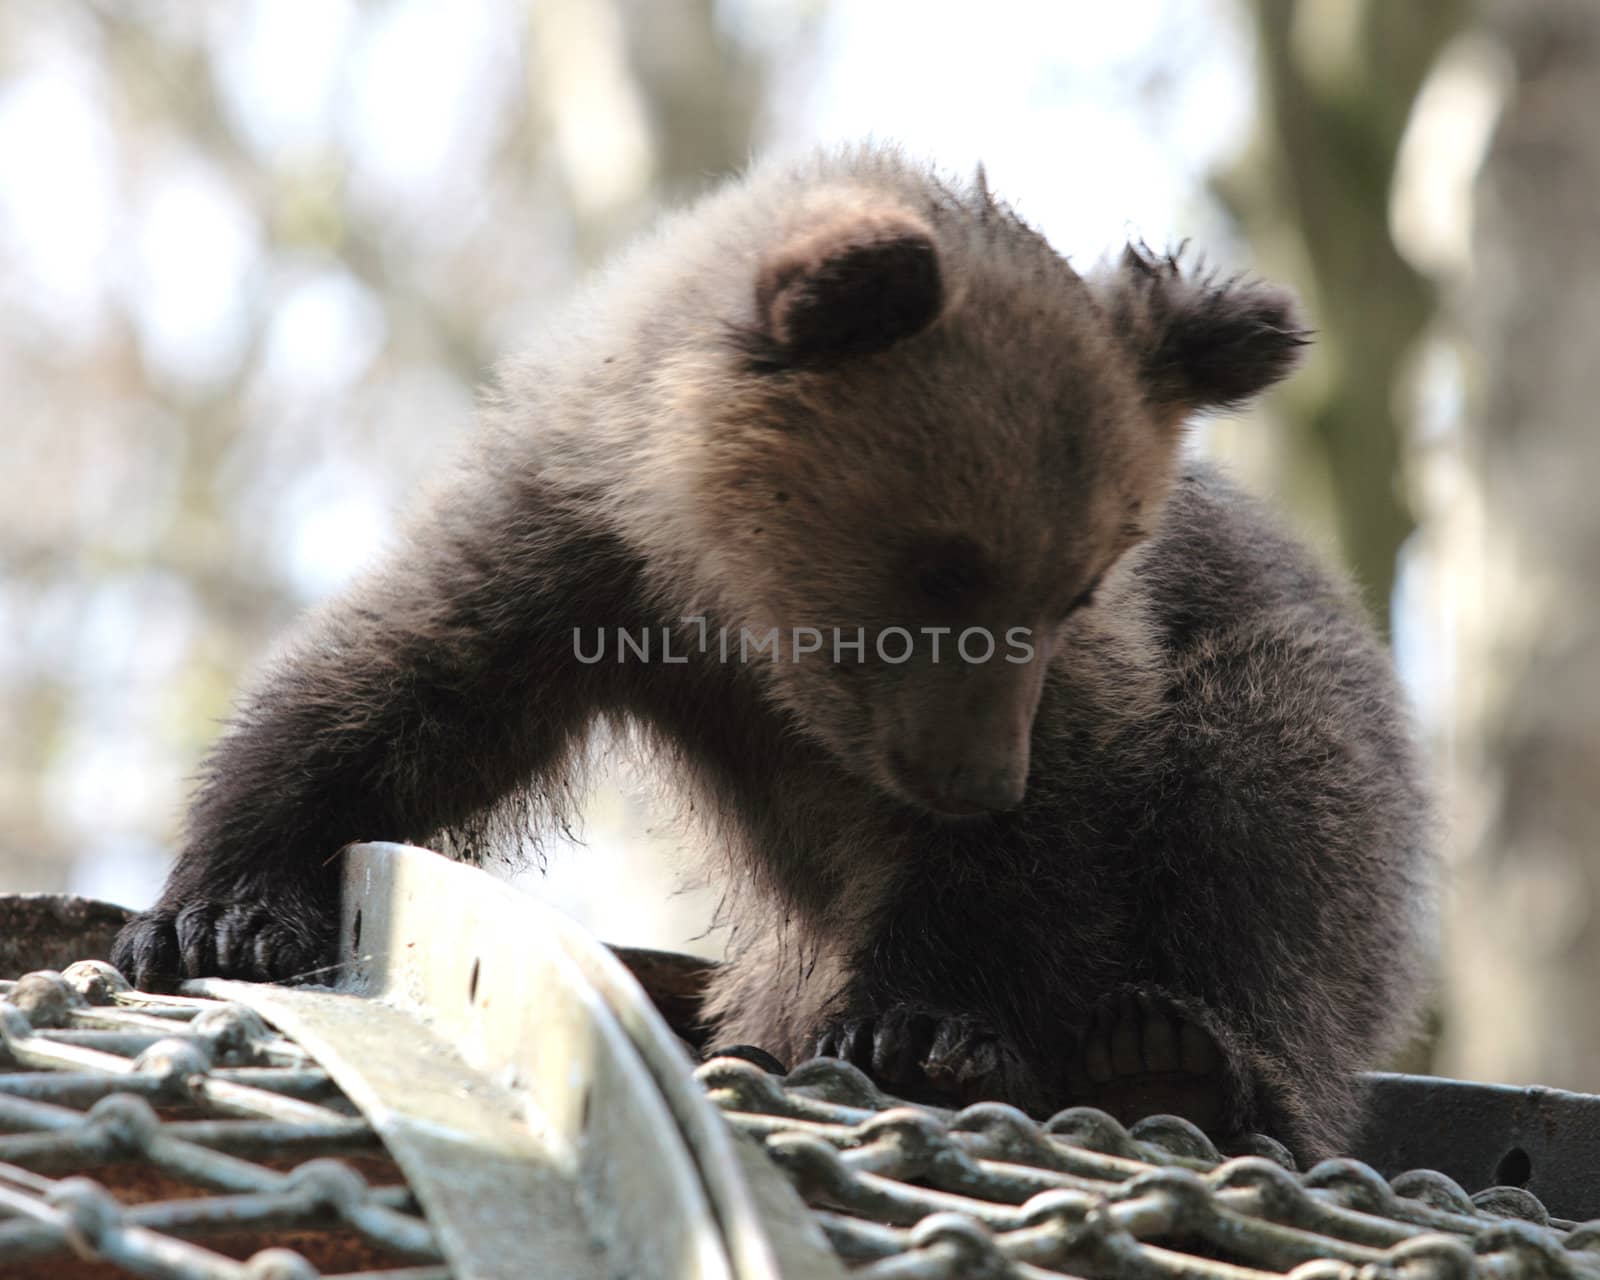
[{"x": 842, "y": 395}]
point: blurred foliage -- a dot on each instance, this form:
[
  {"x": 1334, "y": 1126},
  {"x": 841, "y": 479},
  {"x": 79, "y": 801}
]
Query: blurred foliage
[
  {"x": 1338, "y": 81},
  {"x": 321, "y": 237}
]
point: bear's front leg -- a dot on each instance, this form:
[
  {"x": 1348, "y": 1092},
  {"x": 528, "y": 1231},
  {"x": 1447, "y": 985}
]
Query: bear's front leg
[{"x": 444, "y": 686}]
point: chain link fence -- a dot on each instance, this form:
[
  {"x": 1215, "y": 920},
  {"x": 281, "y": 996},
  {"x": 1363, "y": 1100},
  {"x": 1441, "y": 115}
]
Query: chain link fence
[
  {"x": 512, "y": 1105},
  {"x": 987, "y": 1192},
  {"x": 179, "y": 1137}
]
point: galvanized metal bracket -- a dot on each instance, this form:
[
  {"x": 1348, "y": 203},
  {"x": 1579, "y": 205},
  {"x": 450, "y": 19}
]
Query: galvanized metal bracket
[{"x": 545, "y": 1116}]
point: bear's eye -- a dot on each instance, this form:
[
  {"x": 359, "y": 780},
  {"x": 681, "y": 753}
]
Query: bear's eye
[
  {"x": 1084, "y": 598},
  {"x": 947, "y": 583},
  {"x": 949, "y": 572}
]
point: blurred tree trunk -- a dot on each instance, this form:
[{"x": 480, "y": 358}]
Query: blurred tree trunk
[
  {"x": 1337, "y": 81},
  {"x": 668, "y": 95},
  {"x": 1524, "y": 953}
]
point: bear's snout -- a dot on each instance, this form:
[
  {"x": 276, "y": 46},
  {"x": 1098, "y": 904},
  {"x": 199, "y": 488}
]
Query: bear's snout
[
  {"x": 963, "y": 749},
  {"x": 968, "y": 788}
]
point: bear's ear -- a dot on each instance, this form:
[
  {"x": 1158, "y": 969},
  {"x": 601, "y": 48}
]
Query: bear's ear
[
  {"x": 1201, "y": 343},
  {"x": 853, "y": 281}
]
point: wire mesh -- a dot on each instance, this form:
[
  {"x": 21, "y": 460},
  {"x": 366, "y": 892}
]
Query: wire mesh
[
  {"x": 988, "y": 1193},
  {"x": 182, "y": 1137},
  {"x": 172, "y": 1136}
]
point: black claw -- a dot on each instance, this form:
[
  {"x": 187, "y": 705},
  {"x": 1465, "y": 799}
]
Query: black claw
[
  {"x": 255, "y": 939},
  {"x": 946, "y": 1060},
  {"x": 196, "y": 939},
  {"x": 146, "y": 953},
  {"x": 245, "y": 936},
  {"x": 759, "y": 1056},
  {"x": 858, "y": 1044},
  {"x": 900, "y": 1046}
]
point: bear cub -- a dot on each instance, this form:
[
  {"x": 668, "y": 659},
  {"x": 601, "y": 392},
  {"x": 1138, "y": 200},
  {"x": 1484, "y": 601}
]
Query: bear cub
[{"x": 1040, "y": 764}]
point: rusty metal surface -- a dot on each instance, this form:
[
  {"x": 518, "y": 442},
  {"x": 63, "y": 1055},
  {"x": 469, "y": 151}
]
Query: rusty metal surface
[
  {"x": 920, "y": 1193},
  {"x": 53, "y": 930},
  {"x": 676, "y": 985}
]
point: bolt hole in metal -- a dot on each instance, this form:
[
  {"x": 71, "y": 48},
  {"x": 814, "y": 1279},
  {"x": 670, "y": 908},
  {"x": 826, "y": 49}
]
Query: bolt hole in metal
[
  {"x": 1514, "y": 1170},
  {"x": 472, "y": 983}
]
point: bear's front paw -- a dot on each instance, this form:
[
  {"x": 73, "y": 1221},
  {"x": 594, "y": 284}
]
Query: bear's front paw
[
  {"x": 1141, "y": 1055},
  {"x": 260, "y": 940},
  {"x": 945, "y": 1060}
]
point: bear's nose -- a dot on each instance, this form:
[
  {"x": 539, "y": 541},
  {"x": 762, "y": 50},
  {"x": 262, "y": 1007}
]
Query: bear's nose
[{"x": 976, "y": 789}]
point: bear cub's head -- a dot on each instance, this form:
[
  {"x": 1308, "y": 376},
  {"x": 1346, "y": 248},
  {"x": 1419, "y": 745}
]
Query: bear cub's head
[{"x": 939, "y": 441}]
